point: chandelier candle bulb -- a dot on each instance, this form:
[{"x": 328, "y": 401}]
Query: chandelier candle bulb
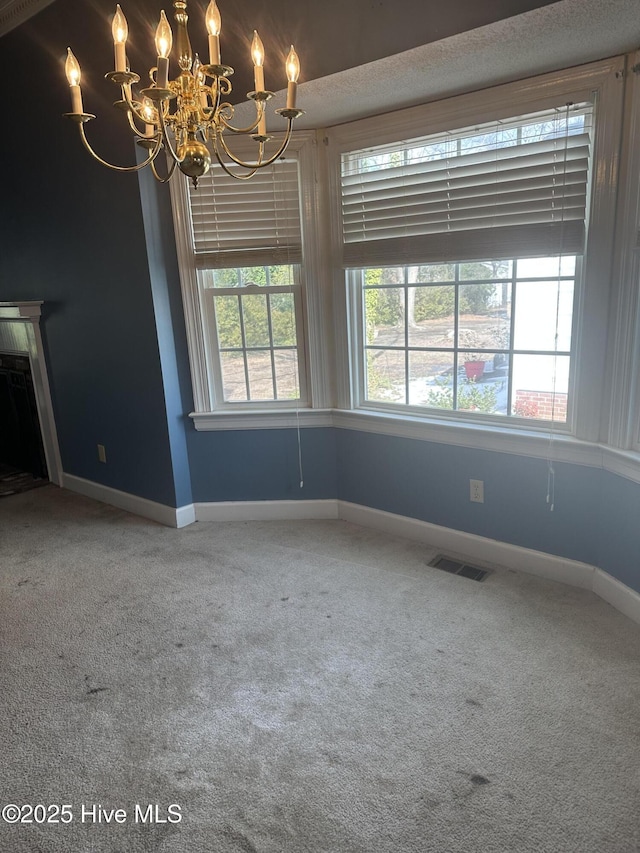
[
  {"x": 164, "y": 42},
  {"x": 120, "y": 31},
  {"x": 147, "y": 112},
  {"x": 293, "y": 72},
  {"x": 214, "y": 23},
  {"x": 257, "y": 54},
  {"x": 72, "y": 70}
]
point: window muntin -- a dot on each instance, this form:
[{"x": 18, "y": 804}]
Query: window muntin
[{"x": 491, "y": 337}]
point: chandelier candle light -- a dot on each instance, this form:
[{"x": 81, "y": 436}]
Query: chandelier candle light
[{"x": 187, "y": 117}]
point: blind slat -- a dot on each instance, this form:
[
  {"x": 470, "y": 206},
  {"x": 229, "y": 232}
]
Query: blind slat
[
  {"x": 444, "y": 209},
  {"x": 537, "y": 174}
]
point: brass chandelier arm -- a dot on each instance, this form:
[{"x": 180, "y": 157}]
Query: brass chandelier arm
[
  {"x": 261, "y": 163},
  {"x": 211, "y": 113},
  {"x": 132, "y": 125},
  {"x": 231, "y": 174},
  {"x": 283, "y": 146},
  {"x": 136, "y": 168},
  {"x": 134, "y": 107},
  {"x": 224, "y": 123},
  {"x": 164, "y": 136},
  {"x": 208, "y": 114},
  {"x": 252, "y": 166},
  {"x": 169, "y": 174}
]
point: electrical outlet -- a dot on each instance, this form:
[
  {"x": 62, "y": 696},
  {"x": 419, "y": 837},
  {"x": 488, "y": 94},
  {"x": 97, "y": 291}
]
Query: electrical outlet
[
  {"x": 476, "y": 491},
  {"x": 102, "y": 453}
]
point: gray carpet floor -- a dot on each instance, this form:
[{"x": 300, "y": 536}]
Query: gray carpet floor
[{"x": 308, "y": 687}]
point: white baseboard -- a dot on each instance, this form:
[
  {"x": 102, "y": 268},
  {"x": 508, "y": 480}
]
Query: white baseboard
[
  {"x": 471, "y": 546},
  {"x": 454, "y": 542},
  {"x": 620, "y": 596},
  {"x": 167, "y": 515},
  {"x": 266, "y": 510},
  {"x": 185, "y": 515},
  {"x": 483, "y": 550}
]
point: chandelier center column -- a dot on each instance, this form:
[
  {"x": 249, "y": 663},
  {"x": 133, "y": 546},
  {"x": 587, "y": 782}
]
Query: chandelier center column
[{"x": 183, "y": 45}]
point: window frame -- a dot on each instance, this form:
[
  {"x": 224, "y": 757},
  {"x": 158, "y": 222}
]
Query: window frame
[
  {"x": 599, "y": 82},
  {"x": 312, "y": 318},
  {"x": 216, "y": 377}
]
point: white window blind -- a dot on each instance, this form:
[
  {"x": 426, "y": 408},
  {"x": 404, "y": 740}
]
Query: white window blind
[
  {"x": 509, "y": 188},
  {"x": 250, "y": 222}
]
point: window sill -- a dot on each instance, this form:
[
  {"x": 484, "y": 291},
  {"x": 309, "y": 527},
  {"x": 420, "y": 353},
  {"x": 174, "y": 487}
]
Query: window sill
[{"x": 261, "y": 419}]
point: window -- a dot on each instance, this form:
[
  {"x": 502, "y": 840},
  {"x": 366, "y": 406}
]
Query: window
[
  {"x": 255, "y": 326},
  {"x": 247, "y": 250},
  {"x": 473, "y": 337},
  {"x": 248, "y": 256},
  {"x": 461, "y": 299}
]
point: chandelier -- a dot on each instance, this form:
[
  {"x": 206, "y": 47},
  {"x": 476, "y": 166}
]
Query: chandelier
[{"x": 187, "y": 117}]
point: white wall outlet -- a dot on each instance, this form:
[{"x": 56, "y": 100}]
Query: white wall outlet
[
  {"x": 476, "y": 491},
  {"x": 102, "y": 454}
]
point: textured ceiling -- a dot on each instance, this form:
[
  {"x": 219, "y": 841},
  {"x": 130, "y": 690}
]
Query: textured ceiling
[
  {"x": 15, "y": 12},
  {"x": 361, "y": 57},
  {"x": 332, "y": 36},
  {"x": 560, "y": 35}
]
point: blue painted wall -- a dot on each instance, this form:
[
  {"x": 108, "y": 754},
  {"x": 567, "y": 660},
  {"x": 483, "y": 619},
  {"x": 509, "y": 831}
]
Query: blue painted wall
[
  {"x": 98, "y": 248},
  {"x": 595, "y": 516},
  {"x": 170, "y": 327},
  {"x": 430, "y": 481},
  {"x": 618, "y": 525},
  {"x": 72, "y": 234},
  {"x": 260, "y": 465}
]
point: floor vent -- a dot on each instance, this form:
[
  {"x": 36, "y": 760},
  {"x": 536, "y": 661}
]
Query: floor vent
[{"x": 455, "y": 567}]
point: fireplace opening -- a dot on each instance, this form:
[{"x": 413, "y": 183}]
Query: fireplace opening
[{"x": 22, "y": 456}]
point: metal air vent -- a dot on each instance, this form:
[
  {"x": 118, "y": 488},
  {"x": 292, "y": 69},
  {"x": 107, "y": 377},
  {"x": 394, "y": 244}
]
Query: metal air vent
[{"x": 455, "y": 567}]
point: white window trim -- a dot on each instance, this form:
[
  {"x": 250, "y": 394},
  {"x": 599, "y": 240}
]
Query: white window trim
[
  {"x": 314, "y": 308},
  {"x": 622, "y": 418},
  {"x": 600, "y": 81}
]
